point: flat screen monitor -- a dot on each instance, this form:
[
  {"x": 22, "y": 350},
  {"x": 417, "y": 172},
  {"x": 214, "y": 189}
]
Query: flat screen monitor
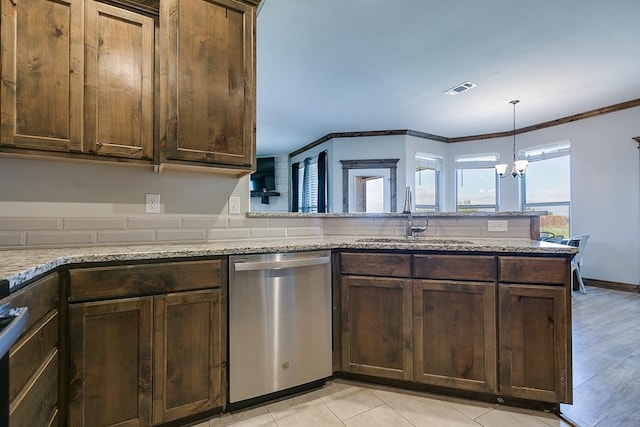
[{"x": 264, "y": 178}]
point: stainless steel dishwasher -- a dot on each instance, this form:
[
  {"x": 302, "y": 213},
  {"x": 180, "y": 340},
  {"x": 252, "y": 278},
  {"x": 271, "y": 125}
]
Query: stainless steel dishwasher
[{"x": 279, "y": 322}]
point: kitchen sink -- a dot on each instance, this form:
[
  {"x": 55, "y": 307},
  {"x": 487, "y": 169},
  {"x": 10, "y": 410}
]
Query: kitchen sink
[{"x": 428, "y": 241}]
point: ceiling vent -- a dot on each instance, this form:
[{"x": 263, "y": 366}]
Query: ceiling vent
[{"x": 460, "y": 88}]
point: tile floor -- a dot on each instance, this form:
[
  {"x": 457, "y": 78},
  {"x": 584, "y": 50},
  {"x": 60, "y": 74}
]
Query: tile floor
[{"x": 345, "y": 403}]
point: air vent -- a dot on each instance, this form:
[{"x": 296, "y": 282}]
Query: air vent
[{"x": 460, "y": 88}]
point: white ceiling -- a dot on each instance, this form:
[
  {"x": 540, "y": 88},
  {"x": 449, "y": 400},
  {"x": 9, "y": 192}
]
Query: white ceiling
[{"x": 356, "y": 65}]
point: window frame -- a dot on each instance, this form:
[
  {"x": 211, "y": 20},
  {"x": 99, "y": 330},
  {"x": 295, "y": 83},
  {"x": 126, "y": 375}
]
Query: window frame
[
  {"x": 538, "y": 154},
  {"x": 474, "y": 162},
  {"x": 430, "y": 162}
]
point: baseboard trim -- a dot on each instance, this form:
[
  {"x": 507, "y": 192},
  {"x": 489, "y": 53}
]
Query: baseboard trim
[{"x": 626, "y": 287}]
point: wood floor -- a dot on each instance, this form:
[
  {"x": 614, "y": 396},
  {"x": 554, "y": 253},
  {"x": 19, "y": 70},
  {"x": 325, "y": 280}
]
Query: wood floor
[{"x": 606, "y": 359}]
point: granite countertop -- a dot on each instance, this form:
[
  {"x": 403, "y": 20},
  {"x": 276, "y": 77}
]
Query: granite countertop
[{"x": 21, "y": 265}]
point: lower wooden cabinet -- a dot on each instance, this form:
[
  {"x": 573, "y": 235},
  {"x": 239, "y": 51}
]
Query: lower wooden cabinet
[
  {"x": 535, "y": 353},
  {"x": 188, "y": 354},
  {"x": 454, "y": 334},
  {"x": 35, "y": 358},
  {"x": 110, "y": 367},
  {"x": 505, "y": 333},
  {"x": 376, "y": 334},
  {"x": 145, "y": 360}
]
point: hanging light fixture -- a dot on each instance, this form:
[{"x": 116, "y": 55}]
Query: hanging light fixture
[{"x": 519, "y": 166}]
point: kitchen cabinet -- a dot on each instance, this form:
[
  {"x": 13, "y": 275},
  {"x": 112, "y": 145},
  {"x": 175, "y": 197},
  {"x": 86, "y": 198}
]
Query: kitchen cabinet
[
  {"x": 492, "y": 324},
  {"x": 42, "y": 75},
  {"x": 146, "y": 342},
  {"x": 34, "y": 359},
  {"x": 454, "y": 321},
  {"x": 535, "y": 329},
  {"x": 110, "y": 369},
  {"x": 119, "y": 76},
  {"x": 188, "y": 350},
  {"x": 78, "y": 78},
  {"x": 208, "y": 83},
  {"x": 86, "y": 80},
  {"x": 376, "y": 322}
]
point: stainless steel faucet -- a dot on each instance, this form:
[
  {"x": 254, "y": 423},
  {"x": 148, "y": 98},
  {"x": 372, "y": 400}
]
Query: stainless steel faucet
[{"x": 411, "y": 228}]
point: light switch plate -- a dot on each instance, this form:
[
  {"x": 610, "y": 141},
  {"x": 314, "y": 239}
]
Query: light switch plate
[
  {"x": 152, "y": 203},
  {"x": 498, "y": 225},
  {"x": 234, "y": 205}
]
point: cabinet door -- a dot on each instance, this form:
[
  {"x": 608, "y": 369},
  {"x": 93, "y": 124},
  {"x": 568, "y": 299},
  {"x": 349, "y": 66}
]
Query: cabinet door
[
  {"x": 188, "y": 354},
  {"x": 376, "y": 335},
  {"x": 535, "y": 356},
  {"x": 110, "y": 370},
  {"x": 454, "y": 334},
  {"x": 118, "y": 82},
  {"x": 208, "y": 71},
  {"x": 42, "y": 74}
]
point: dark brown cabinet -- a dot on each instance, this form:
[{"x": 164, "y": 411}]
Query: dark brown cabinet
[
  {"x": 377, "y": 326},
  {"x": 78, "y": 78},
  {"x": 493, "y": 324},
  {"x": 119, "y": 75},
  {"x": 34, "y": 359},
  {"x": 188, "y": 354},
  {"x": 208, "y": 82},
  {"x": 110, "y": 367},
  {"x": 535, "y": 328},
  {"x": 143, "y": 82},
  {"x": 41, "y": 96},
  {"x": 454, "y": 334},
  {"x": 454, "y": 321},
  {"x": 147, "y": 359}
]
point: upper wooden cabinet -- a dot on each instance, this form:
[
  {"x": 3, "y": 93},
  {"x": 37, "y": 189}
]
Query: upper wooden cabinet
[
  {"x": 207, "y": 77},
  {"x": 77, "y": 77},
  {"x": 87, "y": 80},
  {"x": 119, "y": 82},
  {"x": 42, "y": 75}
]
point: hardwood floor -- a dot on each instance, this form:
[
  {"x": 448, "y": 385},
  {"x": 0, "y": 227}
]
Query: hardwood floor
[{"x": 606, "y": 359}]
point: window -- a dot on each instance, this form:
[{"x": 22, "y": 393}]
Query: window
[
  {"x": 476, "y": 183},
  {"x": 308, "y": 186},
  {"x": 427, "y": 183},
  {"x": 547, "y": 186},
  {"x": 309, "y": 177}
]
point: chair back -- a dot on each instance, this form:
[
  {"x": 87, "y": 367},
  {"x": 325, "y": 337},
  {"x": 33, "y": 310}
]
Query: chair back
[{"x": 579, "y": 242}]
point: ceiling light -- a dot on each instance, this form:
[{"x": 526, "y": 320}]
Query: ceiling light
[
  {"x": 519, "y": 166},
  {"x": 460, "y": 88}
]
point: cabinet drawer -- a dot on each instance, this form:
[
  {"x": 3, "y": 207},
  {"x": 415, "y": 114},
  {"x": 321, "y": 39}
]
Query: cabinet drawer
[
  {"x": 37, "y": 404},
  {"x": 144, "y": 279},
  {"x": 388, "y": 265},
  {"x": 41, "y": 297},
  {"x": 552, "y": 271},
  {"x": 455, "y": 267},
  {"x": 30, "y": 351}
]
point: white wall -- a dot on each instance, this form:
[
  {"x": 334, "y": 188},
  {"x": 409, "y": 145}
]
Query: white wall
[
  {"x": 605, "y": 187},
  {"x": 605, "y": 190},
  {"x": 374, "y": 147},
  {"x": 36, "y": 188}
]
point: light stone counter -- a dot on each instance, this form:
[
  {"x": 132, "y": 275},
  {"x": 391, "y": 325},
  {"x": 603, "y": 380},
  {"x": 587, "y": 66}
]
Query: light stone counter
[{"x": 21, "y": 265}]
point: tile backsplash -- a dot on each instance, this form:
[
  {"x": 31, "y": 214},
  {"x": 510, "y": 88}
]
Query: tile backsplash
[{"x": 47, "y": 232}]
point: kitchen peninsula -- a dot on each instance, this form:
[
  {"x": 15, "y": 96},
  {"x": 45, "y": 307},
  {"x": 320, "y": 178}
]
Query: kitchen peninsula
[{"x": 486, "y": 318}]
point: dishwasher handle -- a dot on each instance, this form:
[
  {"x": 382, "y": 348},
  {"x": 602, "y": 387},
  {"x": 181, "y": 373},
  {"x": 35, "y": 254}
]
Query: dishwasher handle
[{"x": 275, "y": 265}]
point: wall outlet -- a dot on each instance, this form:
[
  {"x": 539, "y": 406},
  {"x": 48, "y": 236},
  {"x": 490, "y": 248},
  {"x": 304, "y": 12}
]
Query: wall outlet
[
  {"x": 234, "y": 205},
  {"x": 498, "y": 225},
  {"x": 152, "y": 203}
]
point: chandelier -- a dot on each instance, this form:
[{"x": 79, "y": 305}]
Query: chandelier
[{"x": 519, "y": 166}]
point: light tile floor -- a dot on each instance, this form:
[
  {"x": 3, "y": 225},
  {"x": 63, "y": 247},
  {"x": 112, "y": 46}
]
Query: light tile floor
[{"x": 345, "y": 403}]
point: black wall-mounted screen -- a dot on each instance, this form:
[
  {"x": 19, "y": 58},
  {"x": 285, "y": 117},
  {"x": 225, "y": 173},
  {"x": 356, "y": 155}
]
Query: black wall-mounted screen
[{"x": 264, "y": 178}]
